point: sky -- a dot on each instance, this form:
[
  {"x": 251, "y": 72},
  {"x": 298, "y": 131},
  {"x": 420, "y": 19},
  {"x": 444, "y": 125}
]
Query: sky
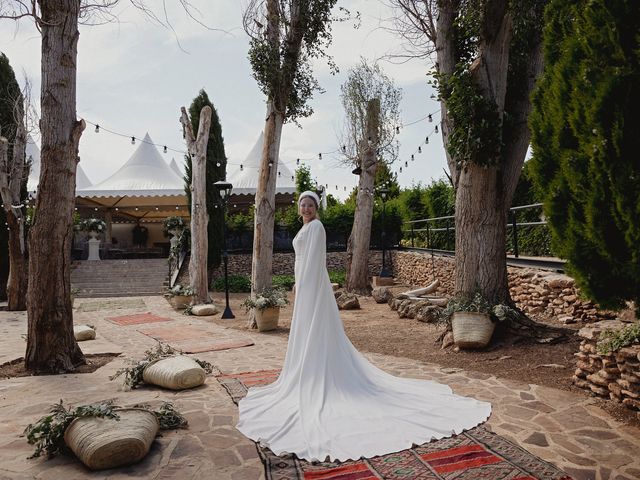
[{"x": 134, "y": 75}]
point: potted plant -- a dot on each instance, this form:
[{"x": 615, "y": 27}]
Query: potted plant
[
  {"x": 174, "y": 225},
  {"x": 267, "y": 304},
  {"x": 473, "y": 319},
  {"x": 180, "y": 296},
  {"x": 93, "y": 226}
]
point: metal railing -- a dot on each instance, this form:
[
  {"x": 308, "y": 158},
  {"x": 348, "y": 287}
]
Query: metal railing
[{"x": 512, "y": 223}]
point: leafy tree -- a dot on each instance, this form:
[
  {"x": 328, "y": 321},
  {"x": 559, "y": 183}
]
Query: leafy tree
[
  {"x": 488, "y": 56},
  {"x": 285, "y": 37},
  {"x": 371, "y": 104},
  {"x": 586, "y": 144},
  {"x": 304, "y": 181},
  {"x": 216, "y": 168}
]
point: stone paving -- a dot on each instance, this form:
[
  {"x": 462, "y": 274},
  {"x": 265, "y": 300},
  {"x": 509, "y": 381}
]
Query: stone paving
[{"x": 558, "y": 426}]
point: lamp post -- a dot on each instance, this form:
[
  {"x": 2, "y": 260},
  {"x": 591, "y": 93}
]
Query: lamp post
[
  {"x": 383, "y": 271},
  {"x": 224, "y": 188}
]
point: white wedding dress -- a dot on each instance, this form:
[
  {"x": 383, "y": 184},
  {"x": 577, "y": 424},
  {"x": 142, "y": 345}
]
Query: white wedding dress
[{"x": 329, "y": 401}]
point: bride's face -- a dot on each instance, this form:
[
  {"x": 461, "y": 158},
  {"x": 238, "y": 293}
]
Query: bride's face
[{"x": 307, "y": 209}]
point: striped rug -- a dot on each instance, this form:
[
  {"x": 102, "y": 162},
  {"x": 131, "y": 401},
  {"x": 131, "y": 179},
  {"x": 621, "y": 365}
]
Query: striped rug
[{"x": 477, "y": 454}]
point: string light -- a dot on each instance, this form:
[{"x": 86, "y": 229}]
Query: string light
[
  {"x": 319, "y": 156},
  {"x": 297, "y": 161},
  {"x": 241, "y": 167},
  {"x": 430, "y": 117},
  {"x": 133, "y": 140},
  {"x": 412, "y": 158},
  {"x": 164, "y": 149},
  {"x": 426, "y": 141},
  {"x": 97, "y": 130},
  {"x": 397, "y": 129},
  {"x": 436, "y": 129},
  {"x": 419, "y": 151},
  {"x": 217, "y": 164}
]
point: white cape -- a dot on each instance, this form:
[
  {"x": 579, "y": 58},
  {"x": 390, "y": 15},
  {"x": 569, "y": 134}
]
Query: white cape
[{"x": 329, "y": 400}]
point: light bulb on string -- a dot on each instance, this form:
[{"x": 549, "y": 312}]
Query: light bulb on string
[
  {"x": 292, "y": 178},
  {"x": 419, "y": 151},
  {"x": 436, "y": 129},
  {"x": 241, "y": 167},
  {"x": 319, "y": 156},
  {"x": 400, "y": 169},
  {"x": 217, "y": 164},
  {"x": 133, "y": 140},
  {"x": 279, "y": 174},
  {"x": 97, "y": 130},
  {"x": 412, "y": 158},
  {"x": 430, "y": 117},
  {"x": 270, "y": 164},
  {"x": 344, "y": 148},
  {"x": 426, "y": 141},
  {"x": 164, "y": 149},
  {"x": 397, "y": 129},
  {"x": 297, "y": 161},
  {"x": 406, "y": 164}
]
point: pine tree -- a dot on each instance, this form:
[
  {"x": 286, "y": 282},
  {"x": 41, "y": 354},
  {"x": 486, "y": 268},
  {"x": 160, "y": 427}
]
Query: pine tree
[
  {"x": 216, "y": 170},
  {"x": 586, "y": 143}
]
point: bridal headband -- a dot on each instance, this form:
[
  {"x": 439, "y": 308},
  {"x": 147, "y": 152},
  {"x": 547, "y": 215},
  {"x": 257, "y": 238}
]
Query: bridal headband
[{"x": 311, "y": 194}]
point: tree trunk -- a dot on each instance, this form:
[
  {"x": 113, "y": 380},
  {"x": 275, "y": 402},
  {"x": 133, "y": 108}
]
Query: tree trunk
[
  {"x": 480, "y": 234},
  {"x": 358, "y": 244},
  {"x": 199, "y": 217},
  {"x": 17, "y": 283},
  {"x": 262, "y": 261},
  {"x": 51, "y": 346}
]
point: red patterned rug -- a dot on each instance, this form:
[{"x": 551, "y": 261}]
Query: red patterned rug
[{"x": 477, "y": 454}]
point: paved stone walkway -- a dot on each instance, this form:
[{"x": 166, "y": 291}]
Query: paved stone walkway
[{"x": 563, "y": 428}]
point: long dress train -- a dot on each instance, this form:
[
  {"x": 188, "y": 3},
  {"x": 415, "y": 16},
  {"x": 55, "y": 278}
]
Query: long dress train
[{"x": 329, "y": 400}]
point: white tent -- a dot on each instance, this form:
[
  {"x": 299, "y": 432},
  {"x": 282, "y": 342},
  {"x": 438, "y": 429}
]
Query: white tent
[
  {"x": 33, "y": 155},
  {"x": 174, "y": 166},
  {"x": 245, "y": 180},
  {"x": 144, "y": 187}
]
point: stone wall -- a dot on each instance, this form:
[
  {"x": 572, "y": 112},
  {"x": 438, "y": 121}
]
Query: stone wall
[
  {"x": 283, "y": 263},
  {"x": 615, "y": 375},
  {"x": 540, "y": 293}
]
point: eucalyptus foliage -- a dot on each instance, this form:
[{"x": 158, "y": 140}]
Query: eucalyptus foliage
[{"x": 586, "y": 143}]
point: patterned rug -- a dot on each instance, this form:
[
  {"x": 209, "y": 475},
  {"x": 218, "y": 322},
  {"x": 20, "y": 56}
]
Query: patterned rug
[
  {"x": 95, "y": 305},
  {"x": 189, "y": 339},
  {"x": 477, "y": 454},
  {"x": 137, "y": 319}
]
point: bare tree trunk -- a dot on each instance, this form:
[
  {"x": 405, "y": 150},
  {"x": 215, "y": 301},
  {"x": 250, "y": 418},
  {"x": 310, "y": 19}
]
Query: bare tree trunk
[
  {"x": 199, "y": 217},
  {"x": 51, "y": 346},
  {"x": 358, "y": 244},
  {"x": 262, "y": 261},
  {"x": 11, "y": 175},
  {"x": 17, "y": 283}
]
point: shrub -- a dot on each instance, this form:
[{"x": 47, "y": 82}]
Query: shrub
[
  {"x": 283, "y": 281},
  {"x": 338, "y": 277},
  {"x": 237, "y": 284}
]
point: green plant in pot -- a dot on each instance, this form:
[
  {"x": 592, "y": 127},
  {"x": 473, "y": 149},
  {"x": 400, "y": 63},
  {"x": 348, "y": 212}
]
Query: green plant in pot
[
  {"x": 267, "y": 304},
  {"x": 180, "y": 296},
  {"x": 473, "y": 319}
]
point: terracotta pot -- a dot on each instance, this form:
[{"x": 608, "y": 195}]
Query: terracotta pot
[
  {"x": 472, "y": 329},
  {"x": 267, "y": 318}
]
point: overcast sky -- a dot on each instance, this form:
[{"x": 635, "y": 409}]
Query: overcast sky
[{"x": 134, "y": 75}]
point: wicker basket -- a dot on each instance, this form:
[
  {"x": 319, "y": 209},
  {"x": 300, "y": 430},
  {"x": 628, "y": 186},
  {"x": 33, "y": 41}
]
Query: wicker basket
[
  {"x": 471, "y": 329},
  {"x": 267, "y": 318},
  {"x": 102, "y": 443},
  {"x": 175, "y": 373}
]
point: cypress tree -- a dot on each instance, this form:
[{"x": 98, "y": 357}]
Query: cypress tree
[
  {"x": 216, "y": 170},
  {"x": 586, "y": 143},
  {"x": 9, "y": 92}
]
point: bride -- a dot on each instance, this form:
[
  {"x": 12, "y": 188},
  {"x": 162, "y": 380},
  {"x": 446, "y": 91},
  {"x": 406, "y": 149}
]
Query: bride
[{"x": 329, "y": 401}]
